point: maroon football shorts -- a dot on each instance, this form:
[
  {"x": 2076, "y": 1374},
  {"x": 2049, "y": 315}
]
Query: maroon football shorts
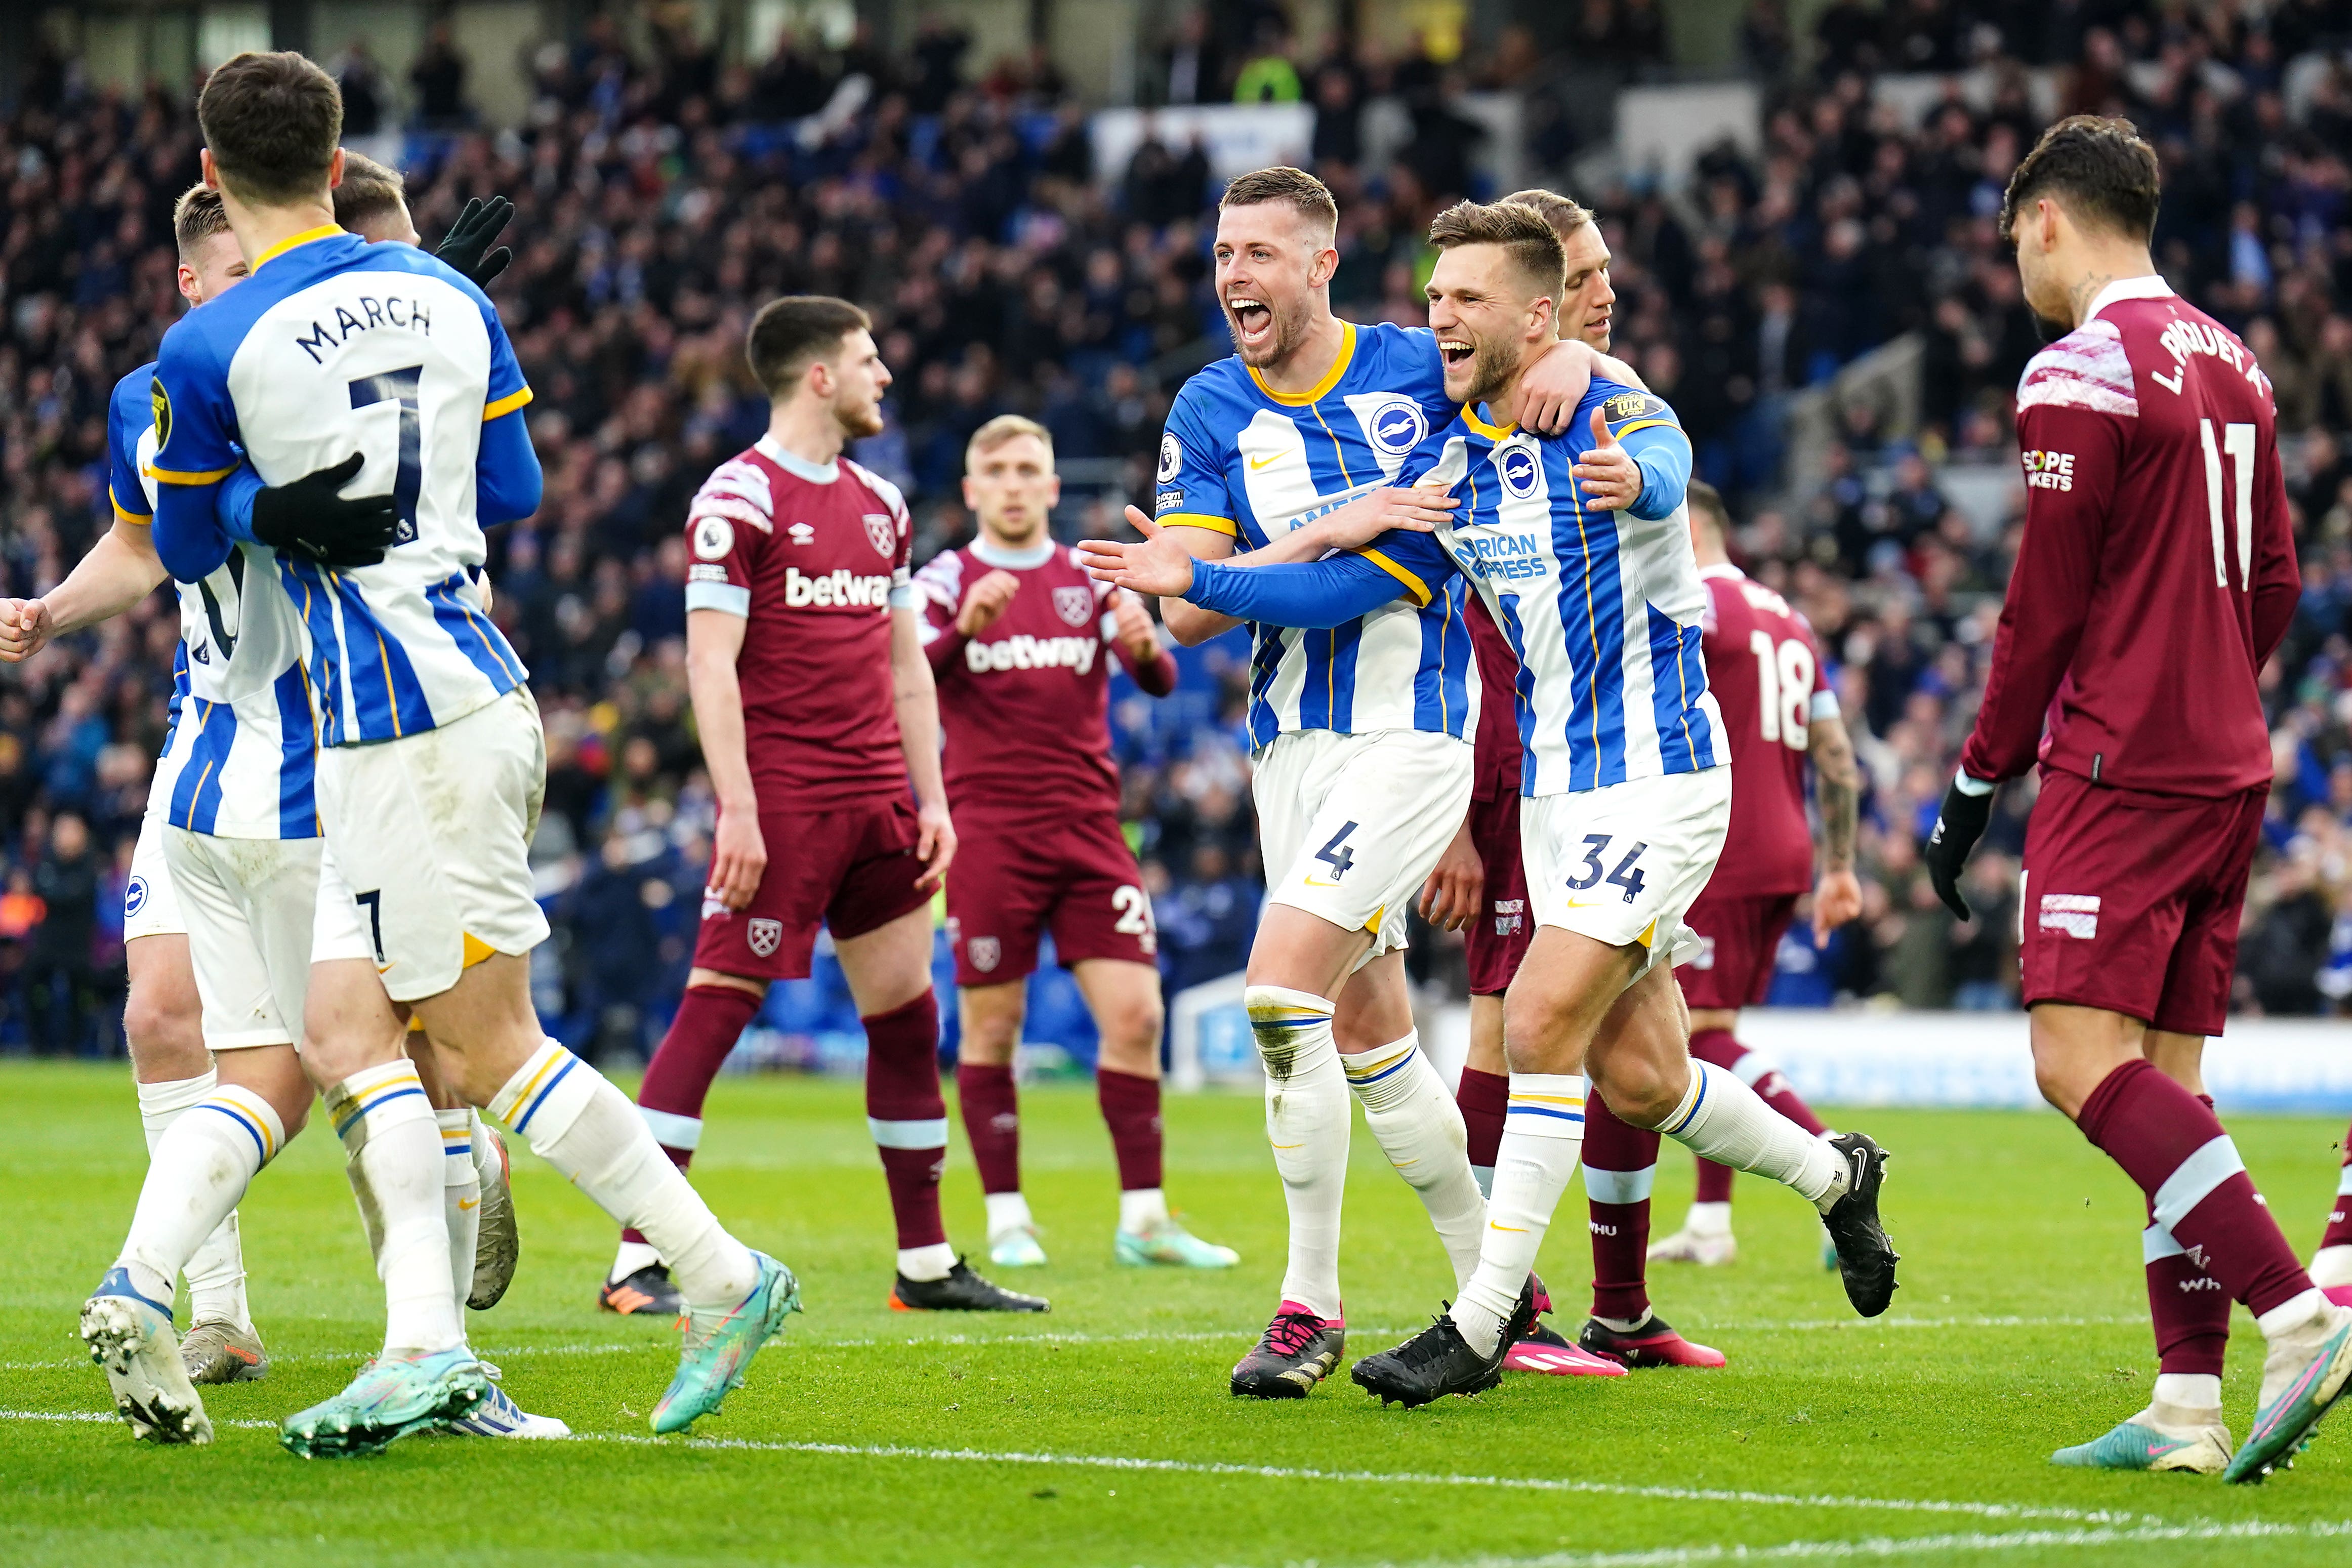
[
  {"x": 1740, "y": 936},
  {"x": 1073, "y": 876},
  {"x": 1498, "y": 938},
  {"x": 2130, "y": 901},
  {"x": 851, "y": 868}
]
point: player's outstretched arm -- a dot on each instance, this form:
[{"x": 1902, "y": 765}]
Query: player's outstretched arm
[
  {"x": 1837, "y": 790},
  {"x": 1189, "y": 623},
  {"x": 1137, "y": 642},
  {"x": 507, "y": 482},
  {"x": 918, "y": 704},
  {"x": 1646, "y": 471},
  {"x": 739, "y": 854},
  {"x": 120, "y": 570}
]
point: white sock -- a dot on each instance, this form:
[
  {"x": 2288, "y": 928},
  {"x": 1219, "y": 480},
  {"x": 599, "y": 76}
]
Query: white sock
[
  {"x": 1307, "y": 1121},
  {"x": 1708, "y": 1219},
  {"x": 1007, "y": 1212},
  {"x": 2332, "y": 1267},
  {"x": 392, "y": 1145},
  {"x": 196, "y": 1174},
  {"x": 215, "y": 1271},
  {"x": 1142, "y": 1209},
  {"x": 632, "y": 1257},
  {"x": 2182, "y": 1394},
  {"x": 1420, "y": 1129},
  {"x": 579, "y": 1123},
  {"x": 2293, "y": 1314},
  {"x": 1729, "y": 1122},
  {"x": 1543, "y": 1133},
  {"x": 461, "y": 1199},
  {"x": 934, "y": 1261},
  {"x": 489, "y": 1154}
]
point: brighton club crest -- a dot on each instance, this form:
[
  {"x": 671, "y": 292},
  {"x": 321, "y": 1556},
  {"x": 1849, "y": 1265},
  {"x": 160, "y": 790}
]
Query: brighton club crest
[
  {"x": 1074, "y": 604},
  {"x": 984, "y": 952},
  {"x": 881, "y": 532},
  {"x": 765, "y": 936}
]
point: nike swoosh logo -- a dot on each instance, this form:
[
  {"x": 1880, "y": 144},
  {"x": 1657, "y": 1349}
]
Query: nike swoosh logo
[
  {"x": 465, "y": 1204},
  {"x": 1254, "y": 463}
]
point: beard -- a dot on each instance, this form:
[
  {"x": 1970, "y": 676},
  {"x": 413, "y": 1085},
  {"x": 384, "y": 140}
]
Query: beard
[
  {"x": 1492, "y": 365},
  {"x": 858, "y": 419},
  {"x": 1289, "y": 331}
]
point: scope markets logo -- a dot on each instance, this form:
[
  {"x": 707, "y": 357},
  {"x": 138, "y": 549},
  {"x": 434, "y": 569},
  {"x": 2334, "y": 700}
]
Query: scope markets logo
[{"x": 1521, "y": 471}]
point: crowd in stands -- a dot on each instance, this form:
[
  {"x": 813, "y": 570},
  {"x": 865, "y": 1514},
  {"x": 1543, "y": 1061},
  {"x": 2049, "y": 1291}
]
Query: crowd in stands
[{"x": 663, "y": 194}]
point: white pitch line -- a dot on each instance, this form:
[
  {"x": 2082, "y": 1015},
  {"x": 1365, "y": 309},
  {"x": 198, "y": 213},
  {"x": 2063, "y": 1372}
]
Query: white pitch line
[
  {"x": 1883, "y": 1547},
  {"x": 1719, "y": 1496},
  {"x": 1142, "y": 1336}
]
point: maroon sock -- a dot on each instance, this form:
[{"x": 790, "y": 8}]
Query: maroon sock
[
  {"x": 992, "y": 1121},
  {"x": 2339, "y": 1220},
  {"x": 1130, "y": 1109},
  {"x": 1620, "y": 1163},
  {"x": 2189, "y": 1307},
  {"x": 2170, "y": 1142},
  {"x": 1484, "y": 1098},
  {"x": 908, "y": 1118},
  {"x": 711, "y": 1020}
]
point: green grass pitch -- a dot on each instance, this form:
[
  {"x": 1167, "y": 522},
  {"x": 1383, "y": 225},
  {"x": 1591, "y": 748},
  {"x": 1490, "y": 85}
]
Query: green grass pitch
[{"x": 1103, "y": 1434}]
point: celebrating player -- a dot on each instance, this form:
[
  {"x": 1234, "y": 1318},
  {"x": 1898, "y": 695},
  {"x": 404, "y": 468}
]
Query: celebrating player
[
  {"x": 430, "y": 766},
  {"x": 816, "y": 706},
  {"x": 1627, "y": 794},
  {"x": 1016, "y": 633},
  {"x": 1362, "y": 772},
  {"x": 2156, "y": 578}
]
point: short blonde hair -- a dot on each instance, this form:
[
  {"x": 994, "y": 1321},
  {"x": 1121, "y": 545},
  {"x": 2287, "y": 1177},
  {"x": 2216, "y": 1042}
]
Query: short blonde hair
[
  {"x": 1525, "y": 235},
  {"x": 369, "y": 190},
  {"x": 197, "y": 217},
  {"x": 1305, "y": 194},
  {"x": 1564, "y": 216},
  {"x": 1002, "y": 428}
]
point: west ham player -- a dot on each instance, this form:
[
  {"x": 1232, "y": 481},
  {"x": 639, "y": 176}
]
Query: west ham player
[
  {"x": 1018, "y": 639},
  {"x": 430, "y": 761},
  {"x": 1362, "y": 770},
  {"x": 1627, "y": 797},
  {"x": 2156, "y": 577},
  {"x": 1761, "y": 661},
  {"x": 816, "y": 706}
]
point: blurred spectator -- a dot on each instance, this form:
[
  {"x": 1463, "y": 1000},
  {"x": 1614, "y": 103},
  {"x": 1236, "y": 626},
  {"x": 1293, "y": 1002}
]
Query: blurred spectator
[{"x": 60, "y": 961}]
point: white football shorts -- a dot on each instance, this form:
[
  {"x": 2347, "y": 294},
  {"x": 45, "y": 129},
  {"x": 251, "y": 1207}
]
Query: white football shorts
[
  {"x": 337, "y": 931},
  {"x": 1351, "y": 825},
  {"x": 251, "y": 906},
  {"x": 150, "y": 907},
  {"x": 1624, "y": 863},
  {"x": 432, "y": 833}
]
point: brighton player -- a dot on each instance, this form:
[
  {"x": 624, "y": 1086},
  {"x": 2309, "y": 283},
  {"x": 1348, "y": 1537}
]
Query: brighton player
[
  {"x": 1762, "y": 662},
  {"x": 2156, "y": 577},
  {"x": 1019, "y": 640},
  {"x": 1360, "y": 729},
  {"x": 221, "y": 1344},
  {"x": 1627, "y": 794},
  {"x": 815, "y": 707},
  {"x": 430, "y": 765}
]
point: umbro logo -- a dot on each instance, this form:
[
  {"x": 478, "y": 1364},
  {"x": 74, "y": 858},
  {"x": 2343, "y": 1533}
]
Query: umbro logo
[{"x": 799, "y": 533}]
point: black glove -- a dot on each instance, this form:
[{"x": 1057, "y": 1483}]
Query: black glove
[
  {"x": 307, "y": 518},
  {"x": 470, "y": 238},
  {"x": 1958, "y": 825}
]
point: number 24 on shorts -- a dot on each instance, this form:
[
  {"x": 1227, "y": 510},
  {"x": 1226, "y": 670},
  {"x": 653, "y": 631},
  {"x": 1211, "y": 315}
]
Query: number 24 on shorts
[{"x": 1627, "y": 875}]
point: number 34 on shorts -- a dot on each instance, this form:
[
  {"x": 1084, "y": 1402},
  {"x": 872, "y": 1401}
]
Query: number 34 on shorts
[
  {"x": 1627, "y": 874},
  {"x": 1623, "y": 863}
]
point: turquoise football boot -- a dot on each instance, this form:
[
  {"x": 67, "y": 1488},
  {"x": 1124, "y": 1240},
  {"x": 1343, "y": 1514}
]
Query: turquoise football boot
[
  {"x": 711, "y": 1362},
  {"x": 391, "y": 1397},
  {"x": 2302, "y": 1377},
  {"x": 1017, "y": 1248},
  {"x": 1167, "y": 1242},
  {"x": 2140, "y": 1444}
]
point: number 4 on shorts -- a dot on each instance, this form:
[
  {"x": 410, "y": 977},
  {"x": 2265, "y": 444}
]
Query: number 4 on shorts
[
  {"x": 1337, "y": 856},
  {"x": 1628, "y": 876}
]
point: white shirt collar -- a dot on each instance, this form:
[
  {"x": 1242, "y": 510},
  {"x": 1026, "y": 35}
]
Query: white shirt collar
[
  {"x": 799, "y": 467},
  {"x": 2152, "y": 287},
  {"x": 1721, "y": 569},
  {"x": 993, "y": 555}
]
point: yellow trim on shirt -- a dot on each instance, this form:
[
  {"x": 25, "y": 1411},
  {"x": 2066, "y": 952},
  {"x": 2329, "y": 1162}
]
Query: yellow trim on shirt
[
  {"x": 505, "y": 405},
  {"x": 1330, "y": 377},
  {"x": 1414, "y": 585},
  {"x": 1202, "y": 520},
  {"x": 324, "y": 231},
  {"x": 124, "y": 512},
  {"x": 174, "y": 476},
  {"x": 1492, "y": 431},
  {"x": 1646, "y": 424}
]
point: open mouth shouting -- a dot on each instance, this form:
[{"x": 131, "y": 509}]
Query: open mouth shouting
[
  {"x": 1253, "y": 320},
  {"x": 1458, "y": 351}
]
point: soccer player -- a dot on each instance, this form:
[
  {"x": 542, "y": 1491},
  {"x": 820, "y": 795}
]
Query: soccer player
[
  {"x": 1627, "y": 797},
  {"x": 2331, "y": 1265},
  {"x": 816, "y": 706},
  {"x": 2156, "y": 577},
  {"x": 1761, "y": 661},
  {"x": 1018, "y": 638},
  {"x": 1360, "y": 729},
  {"x": 430, "y": 763}
]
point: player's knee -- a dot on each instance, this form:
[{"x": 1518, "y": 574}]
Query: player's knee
[
  {"x": 1131, "y": 1030},
  {"x": 164, "y": 1031},
  {"x": 1637, "y": 1090}
]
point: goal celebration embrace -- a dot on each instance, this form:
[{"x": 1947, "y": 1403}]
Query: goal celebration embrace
[{"x": 838, "y": 920}]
